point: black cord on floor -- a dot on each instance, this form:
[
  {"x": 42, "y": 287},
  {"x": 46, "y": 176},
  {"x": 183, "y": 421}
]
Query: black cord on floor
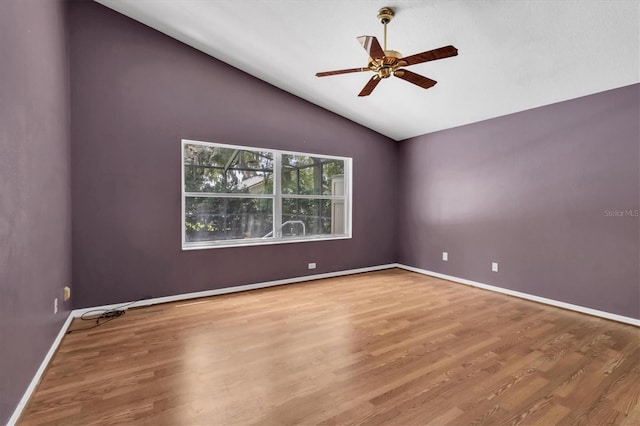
[{"x": 106, "y": 315}]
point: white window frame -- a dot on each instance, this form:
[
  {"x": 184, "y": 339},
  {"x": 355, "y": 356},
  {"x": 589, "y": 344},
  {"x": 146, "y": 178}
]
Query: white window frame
[{"x": 277, "y": 197}]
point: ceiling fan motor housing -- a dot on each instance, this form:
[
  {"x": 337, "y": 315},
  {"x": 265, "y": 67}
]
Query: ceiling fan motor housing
[{"x": 392, "y": 54}]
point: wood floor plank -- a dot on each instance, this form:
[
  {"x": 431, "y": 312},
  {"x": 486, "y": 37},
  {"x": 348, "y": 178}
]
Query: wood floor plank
[{"x": 388, "y": 347}]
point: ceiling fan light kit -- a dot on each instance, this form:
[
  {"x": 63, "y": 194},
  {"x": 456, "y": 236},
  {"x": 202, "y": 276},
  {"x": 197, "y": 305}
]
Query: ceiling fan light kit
[{"x": 386, "y": 62}]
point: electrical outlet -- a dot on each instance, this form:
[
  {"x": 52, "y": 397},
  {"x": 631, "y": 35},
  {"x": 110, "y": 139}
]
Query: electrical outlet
[
  {"x": 445, "y": 256},
  {"x": 55, "y": 305},
  {"x": 494, "y": 266},
  {"x": 66, "y": 293},
  {"x": 312, "y": 266}
]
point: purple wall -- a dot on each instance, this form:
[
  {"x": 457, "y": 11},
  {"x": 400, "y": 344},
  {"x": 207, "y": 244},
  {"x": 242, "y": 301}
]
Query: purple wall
[
  {"x": 135, "y": 93},
  {"x": 530, "y": 191},
  {"x": 35, "y": 189}
]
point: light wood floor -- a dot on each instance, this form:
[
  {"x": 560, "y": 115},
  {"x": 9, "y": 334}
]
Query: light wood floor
[{"x": 390, "y": 347}]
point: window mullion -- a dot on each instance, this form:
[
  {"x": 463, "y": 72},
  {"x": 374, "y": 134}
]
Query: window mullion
[{"x": 277, "y": 201}]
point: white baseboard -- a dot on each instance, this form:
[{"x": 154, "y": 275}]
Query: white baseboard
[
  {"x": 226, "y": 290},
  {"x": 552, "y": 302},
  {"x": 36, "y": 378}
]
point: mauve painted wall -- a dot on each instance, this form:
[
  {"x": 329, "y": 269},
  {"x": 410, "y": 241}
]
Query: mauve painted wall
[
  {"x": 35, "y": 188},
  {"x": 135, "y": 93},
  {"x": 530, "y": 191}
]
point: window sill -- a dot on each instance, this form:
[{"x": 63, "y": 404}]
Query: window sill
[{"x": 205, "y": 245}]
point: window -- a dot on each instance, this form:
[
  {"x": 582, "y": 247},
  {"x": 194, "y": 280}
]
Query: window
[{"x": 238, "y": 196}]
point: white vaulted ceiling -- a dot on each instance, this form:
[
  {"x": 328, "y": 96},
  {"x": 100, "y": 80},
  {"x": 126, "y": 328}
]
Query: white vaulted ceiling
[{"x": 513, "y": 54}]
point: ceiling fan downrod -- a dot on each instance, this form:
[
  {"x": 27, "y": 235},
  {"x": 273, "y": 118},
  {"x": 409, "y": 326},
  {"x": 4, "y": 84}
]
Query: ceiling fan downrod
[{"x": 385, "y": 15}]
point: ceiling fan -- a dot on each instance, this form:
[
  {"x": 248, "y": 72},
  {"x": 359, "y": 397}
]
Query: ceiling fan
[{"x": 385, "y": 63}]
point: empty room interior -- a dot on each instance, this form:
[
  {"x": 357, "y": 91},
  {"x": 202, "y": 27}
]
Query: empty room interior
[{"x": 218, "y": 212}]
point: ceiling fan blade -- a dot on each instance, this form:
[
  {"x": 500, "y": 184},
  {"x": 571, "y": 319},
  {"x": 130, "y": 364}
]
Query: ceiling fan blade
[
  {"x": 414, "y": 78},
  {"x": 327, "y": 73},
  {"x": 371, "y": 84},
  {"x": 371, "y": 45},
  {"x": 430, "y": 55}
]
